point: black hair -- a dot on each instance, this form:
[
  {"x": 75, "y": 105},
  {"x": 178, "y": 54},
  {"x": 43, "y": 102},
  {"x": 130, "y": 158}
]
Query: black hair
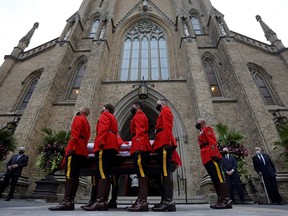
[
  {"x": 110, "y": 108},
  {"x": 139, "y": 103}
]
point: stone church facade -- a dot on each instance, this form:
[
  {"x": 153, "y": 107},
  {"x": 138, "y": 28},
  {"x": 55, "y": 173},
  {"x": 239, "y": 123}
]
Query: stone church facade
[{"x": 181, "y": 50}]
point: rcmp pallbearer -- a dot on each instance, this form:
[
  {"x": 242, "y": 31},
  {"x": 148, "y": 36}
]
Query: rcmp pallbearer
[
  {"x": 140, "y": 151},
  {"x": 210, "y": 158},
  {"x": 105, "y": 147},
  {"x": 165, "y": 145},
  {"x": 76, "y": 154}
]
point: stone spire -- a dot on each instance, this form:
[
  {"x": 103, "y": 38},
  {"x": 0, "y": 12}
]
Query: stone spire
[
  {"x": 270, "y": 34},
  {"x": 24, "y": 42},
  {"x": 26, "y": 39}
]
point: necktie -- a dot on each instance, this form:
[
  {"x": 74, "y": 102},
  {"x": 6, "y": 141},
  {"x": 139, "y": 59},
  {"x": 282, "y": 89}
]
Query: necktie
[{"x": 262, "y": 159}]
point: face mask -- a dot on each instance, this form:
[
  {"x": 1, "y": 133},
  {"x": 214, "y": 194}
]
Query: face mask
[
  {"x": 225, "y": 152},
  {"x": 21, "y": 152},
  {"x": 158, "y": 107},
  {"x": 198, "y": 126},
  {"x": 133, "y": 110},
  {"x": 257, "y": 152}
]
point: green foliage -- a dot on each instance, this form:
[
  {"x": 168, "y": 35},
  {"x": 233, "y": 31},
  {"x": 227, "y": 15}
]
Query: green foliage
[
  {"x": 7, "y": 143},
  {"x": 283, "y": 142},
  {"x": 232, "y": 139},
  {"x": 51, "y": 150}
]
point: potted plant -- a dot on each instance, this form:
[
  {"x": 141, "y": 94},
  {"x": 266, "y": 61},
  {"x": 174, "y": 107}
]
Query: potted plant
[
  {"x": 51, "y": 152},
  {"x": 283, "y": 142},
  {"x": 232, "y": 140},
  {"x": 7, "y": 143}
]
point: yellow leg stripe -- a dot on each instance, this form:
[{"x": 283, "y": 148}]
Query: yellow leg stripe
[
  {"x": 101, "y": 165},
  {"x": 164, "y": 162},
  {"x": 142, "y": 174},
  {"x": 68, "y": 167},
  {"x": 218, "y": 172}
]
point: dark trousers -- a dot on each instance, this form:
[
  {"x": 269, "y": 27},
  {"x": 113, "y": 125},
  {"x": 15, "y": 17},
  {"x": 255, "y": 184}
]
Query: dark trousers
[
  {"x": 73, "y": 164},
  {"x": 104, "y": 160},
  {"x": 234, "y": 182},
  {"x": 165, "y": 160},
  {"x": 272, "y": 189},
  {"x": 140, "y": 161},
  {"x": 115, "y": 187},
  {"x": 13, "y": 183},
  {"x": 214, "y": 170}
]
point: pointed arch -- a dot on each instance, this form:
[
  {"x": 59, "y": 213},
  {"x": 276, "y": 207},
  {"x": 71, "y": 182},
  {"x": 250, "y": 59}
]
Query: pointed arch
[
  {"x": 262, "y": 81},
  {"x": 78, "y": 73},
  {"x": 144, "y": 53},
  {"x": 29, "y": 85},
  {"x": 123, "y": 116},
  {"x": 195, "y": 22},
  {"x": 94, "y": 25},
  {"x": 212, "y": 75}
]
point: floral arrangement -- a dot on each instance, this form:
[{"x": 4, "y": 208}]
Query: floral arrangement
[
  {"x": 7, "y": 143},
  {"x": 51, "y": 150},
  {"x": 232, "y": 140},
  {"x": 282, "y": 142}
]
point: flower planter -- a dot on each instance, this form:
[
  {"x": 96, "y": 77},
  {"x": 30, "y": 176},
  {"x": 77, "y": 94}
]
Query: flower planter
[{"x": 46, "y": 188}]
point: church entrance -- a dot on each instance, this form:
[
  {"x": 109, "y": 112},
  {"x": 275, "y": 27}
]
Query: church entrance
[{"x": 128, "y": 184}]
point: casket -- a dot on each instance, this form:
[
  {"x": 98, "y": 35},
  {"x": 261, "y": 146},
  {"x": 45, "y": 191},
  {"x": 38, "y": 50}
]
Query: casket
[{"x": 124, "y": 163}]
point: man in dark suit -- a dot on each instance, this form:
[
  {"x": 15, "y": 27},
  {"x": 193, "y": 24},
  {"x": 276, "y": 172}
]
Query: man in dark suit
[
  {"x": 13, "y": 172},
  {"x": 264, "y": 166},
  {"x": 229, "y": 165}
]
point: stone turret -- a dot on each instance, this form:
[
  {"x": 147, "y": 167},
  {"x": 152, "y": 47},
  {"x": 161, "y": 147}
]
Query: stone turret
[{"x": 270, "y": 34}]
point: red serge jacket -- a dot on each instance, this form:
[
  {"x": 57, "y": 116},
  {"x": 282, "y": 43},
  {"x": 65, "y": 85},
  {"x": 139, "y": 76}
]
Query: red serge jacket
[
  {"x": 208, "y": 145},
  {"x": 80, "y": 134},
  {"x": 163, "y": 127},
  {"x": 106, "y": 132},
  {"x": 139, "y": 129}
]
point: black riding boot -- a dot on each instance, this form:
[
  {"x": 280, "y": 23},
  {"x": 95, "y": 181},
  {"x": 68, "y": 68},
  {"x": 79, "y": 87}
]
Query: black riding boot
[
  {"x": 68, "y": 201},
  {"x": 168, "y": 204},
  {"x": 101, "y": 203},
  {"x": 141, "y": 203}
]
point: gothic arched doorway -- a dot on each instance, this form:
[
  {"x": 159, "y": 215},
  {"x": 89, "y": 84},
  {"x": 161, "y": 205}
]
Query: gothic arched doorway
[{"x": 123, "y": 115}]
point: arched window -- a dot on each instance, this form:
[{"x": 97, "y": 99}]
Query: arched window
[
  {"x": 212, "y": 78},
  {"x": 196, "y": 25},
  {"x": 75, "y": 88},
  {"x": 26, "y": 97},
  {"x": 263, "y": 87},
  {"x": 94, "y": 28},
  {"x": 144, "y": 53}
]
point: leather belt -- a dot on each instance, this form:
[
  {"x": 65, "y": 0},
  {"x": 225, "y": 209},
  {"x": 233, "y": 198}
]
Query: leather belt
[
  {"x": 158, "y": 130},
  {"x": 112, "y": 132},
  {"x": 202, "y": 145},
  {"x": 134, "y": 134}
]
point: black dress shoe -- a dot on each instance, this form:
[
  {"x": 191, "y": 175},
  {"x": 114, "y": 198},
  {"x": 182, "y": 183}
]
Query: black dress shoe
[
  {"x": 8, "y": 199},
  {"x": 112, "y": 204},
  {"x": 166, "y": 205}
]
